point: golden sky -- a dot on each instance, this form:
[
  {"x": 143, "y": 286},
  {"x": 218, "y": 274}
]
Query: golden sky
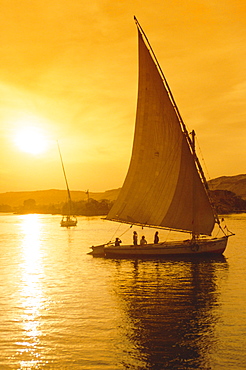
[{"x": 69, "y": 70}]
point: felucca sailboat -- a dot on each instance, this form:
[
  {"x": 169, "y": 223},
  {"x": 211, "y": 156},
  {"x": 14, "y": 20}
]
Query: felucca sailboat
[
  {"x": 67, "y": 220},
  {"x": 165, "y": 186}
]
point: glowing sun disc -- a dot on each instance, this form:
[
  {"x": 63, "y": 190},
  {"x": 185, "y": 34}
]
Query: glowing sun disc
[{"x": 31, "y": 140}]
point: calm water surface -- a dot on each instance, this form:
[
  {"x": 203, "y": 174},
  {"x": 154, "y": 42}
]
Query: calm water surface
[{"x": 63, "y": 309}]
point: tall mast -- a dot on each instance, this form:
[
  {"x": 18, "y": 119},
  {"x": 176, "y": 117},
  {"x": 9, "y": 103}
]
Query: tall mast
[
  {"x": 174, "y": 104},
  {"x": 63, "y": 168},
  {"x": 185, "y": 131}
]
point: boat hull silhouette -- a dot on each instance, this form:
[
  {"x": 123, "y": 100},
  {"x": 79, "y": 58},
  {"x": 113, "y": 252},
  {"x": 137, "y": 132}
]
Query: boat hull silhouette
[
  {"x": 68, "y": 221},
  {"x": 171, "y": 248}
]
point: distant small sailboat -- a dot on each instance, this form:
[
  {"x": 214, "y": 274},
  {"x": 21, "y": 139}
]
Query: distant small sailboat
[
  {"x": 67, "y": 220},
  {"x": 165, "y": 186}
]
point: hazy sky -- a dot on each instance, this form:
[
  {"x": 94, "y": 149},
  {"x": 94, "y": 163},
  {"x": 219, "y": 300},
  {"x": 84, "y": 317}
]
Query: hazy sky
[{"x": 69, "y": 70}]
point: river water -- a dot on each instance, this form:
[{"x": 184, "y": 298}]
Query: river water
[{"x": 63, "y": 309}]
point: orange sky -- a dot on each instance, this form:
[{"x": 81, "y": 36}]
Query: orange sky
[{"x": 69, "y": 69}]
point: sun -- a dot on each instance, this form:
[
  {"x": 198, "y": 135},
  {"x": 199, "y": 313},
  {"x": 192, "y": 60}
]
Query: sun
[{"x": 31, "y": 140}]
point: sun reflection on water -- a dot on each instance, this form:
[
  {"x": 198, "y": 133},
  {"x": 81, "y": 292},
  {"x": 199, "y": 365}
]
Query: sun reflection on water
[{"x": 32, "y": 297}]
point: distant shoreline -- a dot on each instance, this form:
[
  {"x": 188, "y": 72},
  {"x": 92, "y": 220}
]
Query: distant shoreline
[{"x": 228, "y": 195}]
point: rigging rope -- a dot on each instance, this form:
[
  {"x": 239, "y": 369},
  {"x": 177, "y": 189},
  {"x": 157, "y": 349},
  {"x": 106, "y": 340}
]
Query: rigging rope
[
  {"x": 202, "y": 159},
  {"x": 116, "y": 231}
]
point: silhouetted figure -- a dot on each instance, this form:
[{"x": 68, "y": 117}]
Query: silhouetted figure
[
  {"x": 156, "y": 239},
  {"x": 117, "y": 242},
  {"x": 143, "y": 241},
  {"x": 135, "y": 238}
]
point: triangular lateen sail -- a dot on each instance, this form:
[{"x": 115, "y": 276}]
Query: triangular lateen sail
[{"x": 162, "y": 187}]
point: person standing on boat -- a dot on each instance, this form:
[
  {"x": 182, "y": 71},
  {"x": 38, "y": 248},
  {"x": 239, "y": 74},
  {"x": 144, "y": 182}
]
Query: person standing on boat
[
  {"x": 156, "y": 239},
  {"x": 143, "y": 241},
  {"x": 135, "y": 238},
  {"x": 117, "y": 242}
]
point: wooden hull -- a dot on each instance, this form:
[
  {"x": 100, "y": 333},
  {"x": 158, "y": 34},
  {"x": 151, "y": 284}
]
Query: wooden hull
[{"x": 178, "y": 248}]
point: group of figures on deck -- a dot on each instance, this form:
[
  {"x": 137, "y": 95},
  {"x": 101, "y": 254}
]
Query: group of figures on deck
[{"x": 143, "y": 241}]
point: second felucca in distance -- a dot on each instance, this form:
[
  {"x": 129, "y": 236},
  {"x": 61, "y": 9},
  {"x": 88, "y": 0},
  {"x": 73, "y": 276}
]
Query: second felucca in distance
[{"x": 69, "y": 219}]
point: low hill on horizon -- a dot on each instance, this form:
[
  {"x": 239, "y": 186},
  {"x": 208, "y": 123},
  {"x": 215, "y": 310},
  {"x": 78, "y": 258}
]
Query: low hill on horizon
[
  {"x": 53, "y": 196},
  {"x": 236, "y": 184}
]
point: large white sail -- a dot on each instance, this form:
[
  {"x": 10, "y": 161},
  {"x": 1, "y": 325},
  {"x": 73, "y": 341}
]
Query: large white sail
[{"x": 162, "y": 187}]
